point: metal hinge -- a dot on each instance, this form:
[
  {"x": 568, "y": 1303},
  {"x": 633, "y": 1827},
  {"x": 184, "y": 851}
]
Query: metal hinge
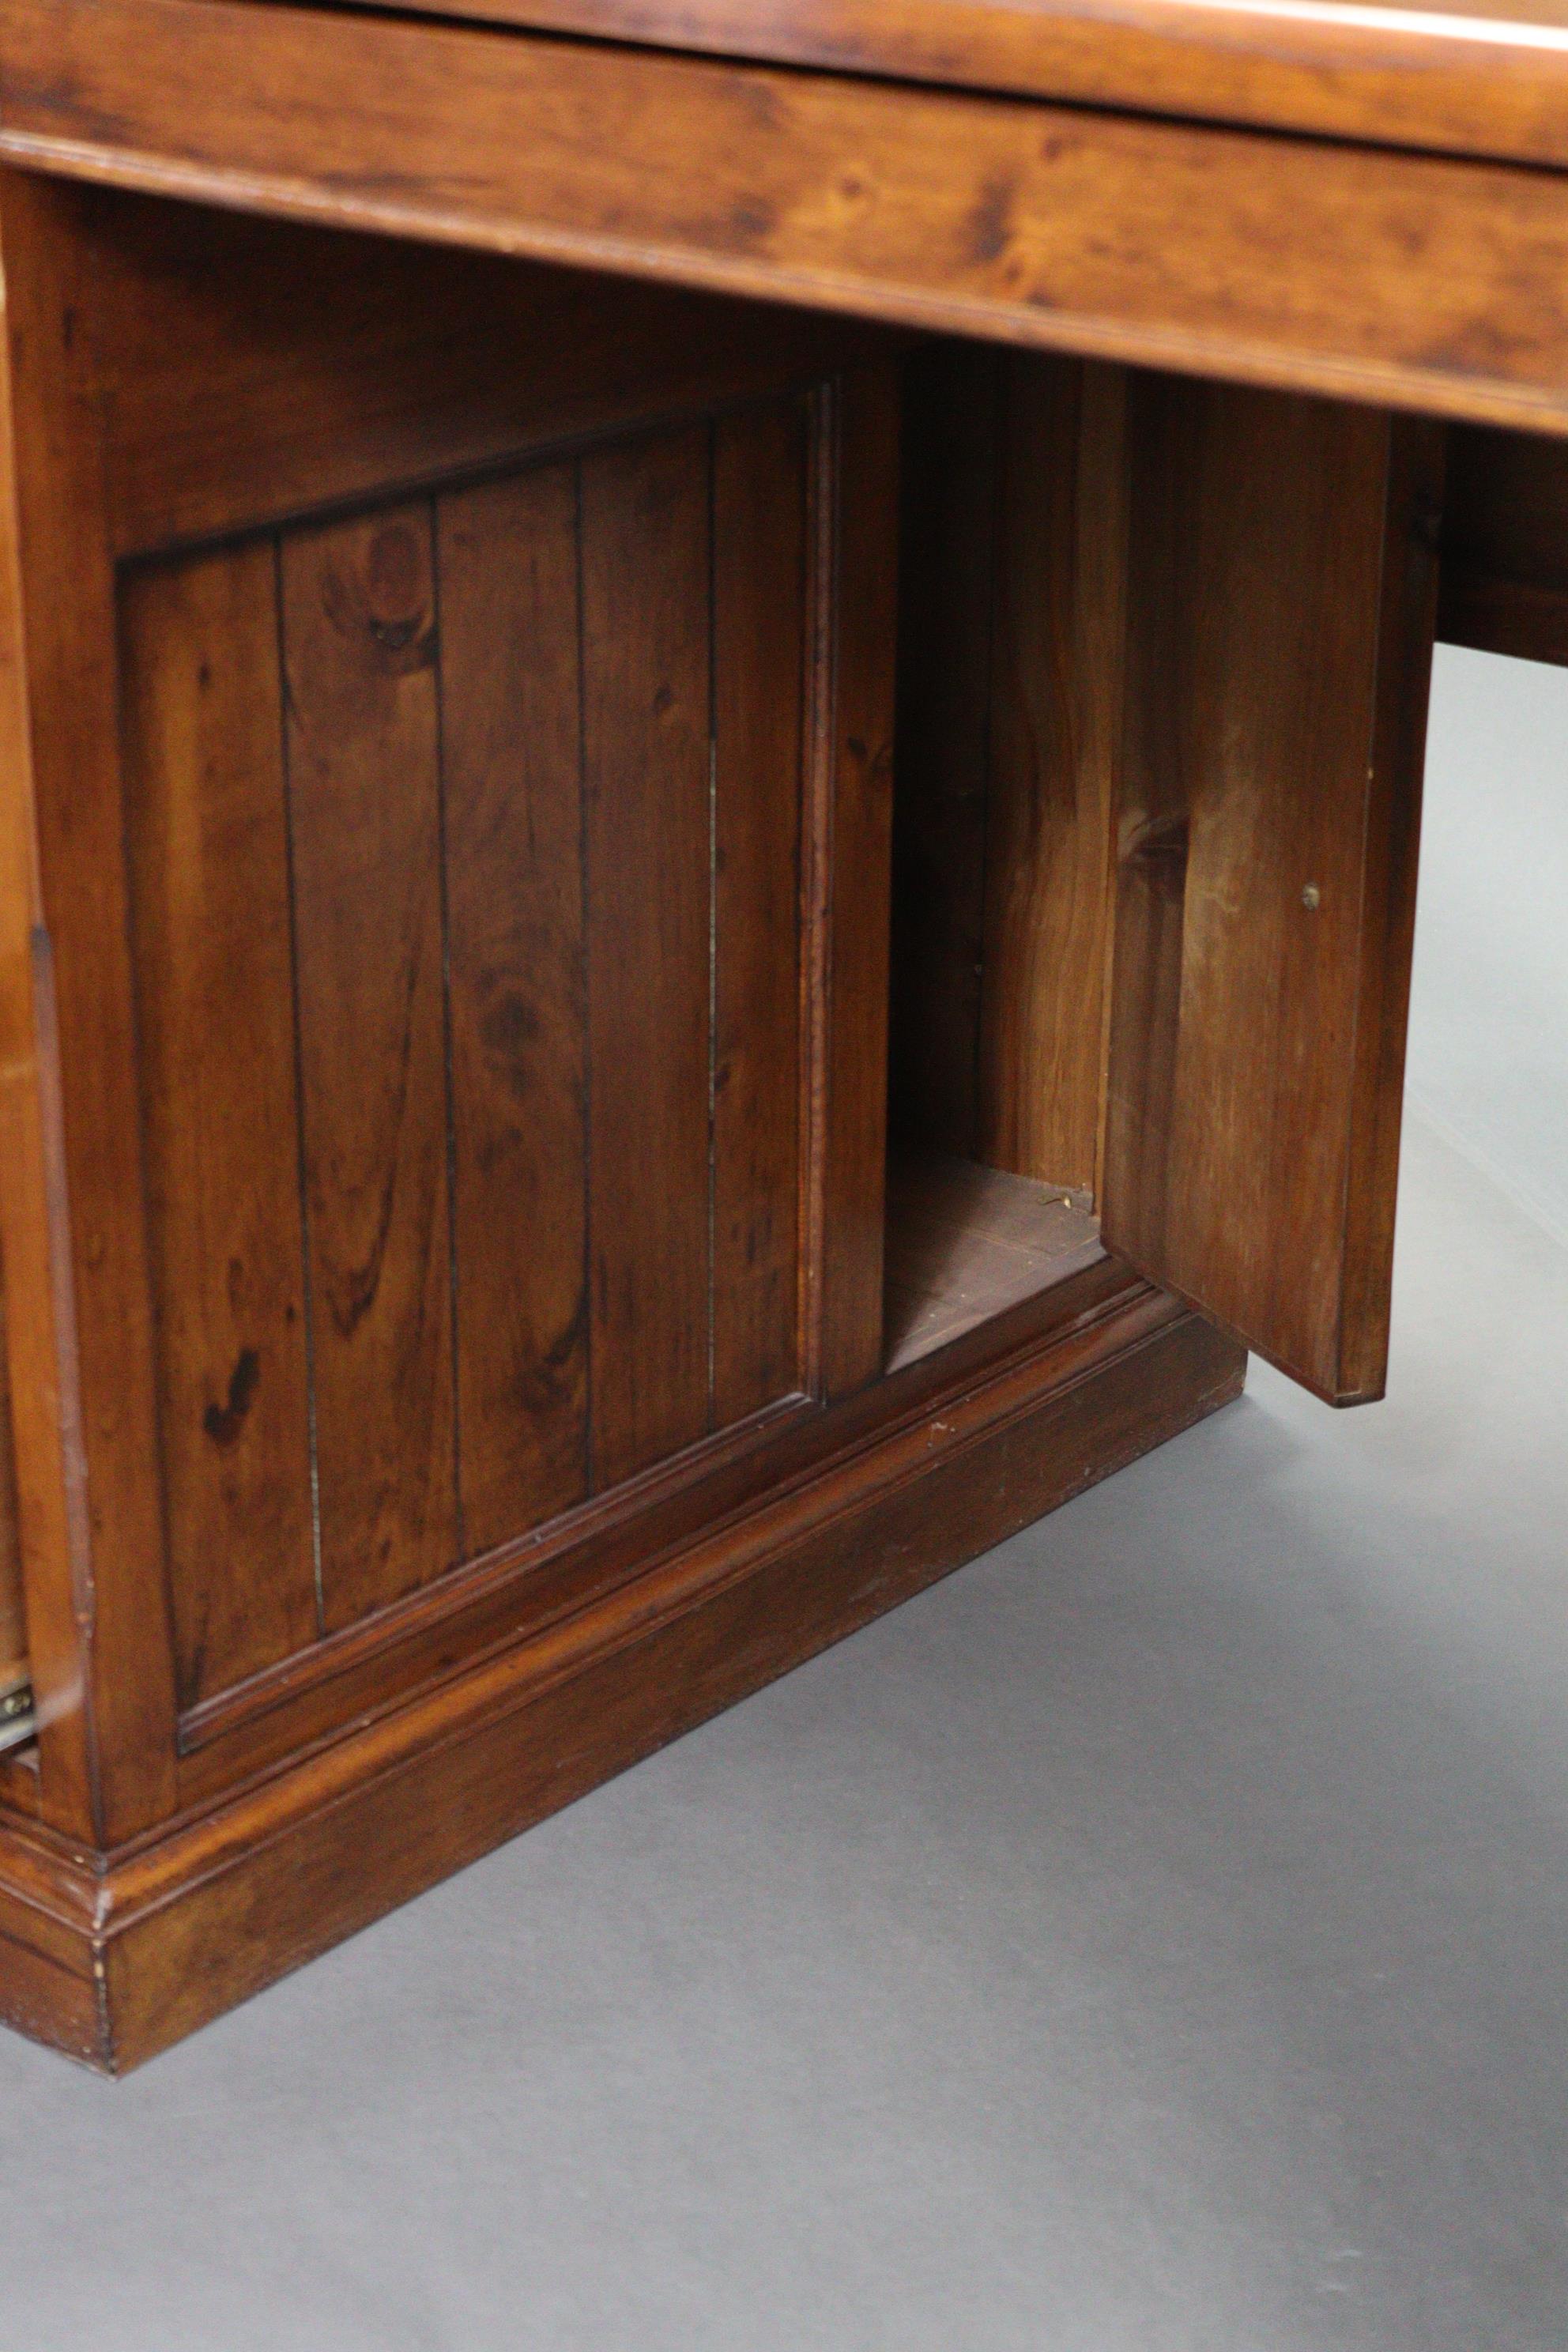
[{"x": 17, "y": 1716}]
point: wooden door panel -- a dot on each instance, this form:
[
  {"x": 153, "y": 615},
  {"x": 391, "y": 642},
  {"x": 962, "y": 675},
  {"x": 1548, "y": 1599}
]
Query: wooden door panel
[
  {"x": 485, "y": 1099},
  {"x": 1281, "y": 604}
]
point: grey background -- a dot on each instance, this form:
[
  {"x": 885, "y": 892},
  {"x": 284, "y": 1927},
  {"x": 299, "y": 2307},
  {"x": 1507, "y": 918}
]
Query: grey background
[{"x": 1152, "y": 1938}]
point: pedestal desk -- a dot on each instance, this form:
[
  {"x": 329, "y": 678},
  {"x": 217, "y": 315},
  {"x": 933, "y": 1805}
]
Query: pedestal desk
[{"x": 710, "y": 734}]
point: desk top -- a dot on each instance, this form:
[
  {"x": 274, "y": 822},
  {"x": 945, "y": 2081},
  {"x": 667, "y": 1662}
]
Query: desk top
[
  {"x": 1413, "y": 253},
  {"x": 1469, "y": 76}
]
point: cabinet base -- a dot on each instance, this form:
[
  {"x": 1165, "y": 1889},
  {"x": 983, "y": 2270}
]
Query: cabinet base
[{"x": 112, "y": 1960}]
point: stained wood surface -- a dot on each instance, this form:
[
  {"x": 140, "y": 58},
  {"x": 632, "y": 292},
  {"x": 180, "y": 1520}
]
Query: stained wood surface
[
  {"x": 1358, "y": 271},
  {"x": 1009, "y": 719},
  {"x": 474, "y": 822},
  {"x": 1505, "y": 545},
  {"x": 328, "y": 970},
  {"x": 13, "y": 1667},
  {"x": 966, "y": 1243},
  {"x": 209, "y": 857},
  {"x": 1053, "y": 741},
  {"x": 358, "y": 617},
  {"x": 1280, "y": 608},
  {"x": 853, "y": 800},
  {"x": 647, "y": 682},
  {"x": 229, "y": 403},
  {"x": 1487, "y": 76},
  {"x": 513, "y": 753},
  {"x": 760, "y": 662},
  {"x": 37, "y": 1545},
  {"x": 916, "y": 1476}
]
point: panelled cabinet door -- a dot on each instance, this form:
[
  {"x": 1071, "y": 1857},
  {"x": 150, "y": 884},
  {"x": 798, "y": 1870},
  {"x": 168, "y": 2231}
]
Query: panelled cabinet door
[{"x": 1280, "y": 593}]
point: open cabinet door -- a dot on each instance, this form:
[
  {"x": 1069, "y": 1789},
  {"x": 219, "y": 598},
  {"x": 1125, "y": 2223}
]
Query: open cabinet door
[{"x": 1280, "y": 601}]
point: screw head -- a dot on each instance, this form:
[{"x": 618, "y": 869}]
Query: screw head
[{"x": 1311, "y": 897}]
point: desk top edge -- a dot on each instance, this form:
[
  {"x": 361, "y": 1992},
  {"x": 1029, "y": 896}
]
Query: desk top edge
[{"x": 1485, "y": 77}]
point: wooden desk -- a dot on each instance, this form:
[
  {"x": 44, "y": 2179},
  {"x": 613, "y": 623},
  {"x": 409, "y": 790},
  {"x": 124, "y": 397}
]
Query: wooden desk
[{"x": 713, "y": 719}]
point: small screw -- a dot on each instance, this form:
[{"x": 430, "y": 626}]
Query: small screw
[{"x": 1311, "y": 897}]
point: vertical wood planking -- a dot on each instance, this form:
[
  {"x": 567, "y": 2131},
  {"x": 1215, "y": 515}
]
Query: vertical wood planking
[
  {"x": 759, "y": 658},
  {"x": 362, "y": 737},
  {"x": 1280, "y": 627},
  {"x": 208, "y": 835},
  {"x": 511, "y": 735},
  {"x": 1057, "y": 678},
  {"x": 858, "y": 497},
  {"x": 645, "y": 584},
  {"x": 947, "y": 574}
]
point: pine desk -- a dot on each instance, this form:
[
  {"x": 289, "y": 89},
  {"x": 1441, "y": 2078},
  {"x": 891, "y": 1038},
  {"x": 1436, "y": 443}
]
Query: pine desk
[{"x": 711, "y": 725}]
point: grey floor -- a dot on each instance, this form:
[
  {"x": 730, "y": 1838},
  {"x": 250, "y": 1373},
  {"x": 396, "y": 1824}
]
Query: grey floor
[{"x": 1156, "y": 1937}]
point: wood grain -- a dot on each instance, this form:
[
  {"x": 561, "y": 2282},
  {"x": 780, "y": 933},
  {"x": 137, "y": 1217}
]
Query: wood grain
[
  {"x": 1054, "y": 726},
  {"x": 98, "y": 1615},
  {"x": 967, "y": 1243},
  {"x": 1357, "y": 272},
  {"x": 1487, "y": 78},
  {"x": 760, "y": 595},
  {"x": 13, "y": 1666},
  {"x": 646, "y": 720},
  {"x": 511, "y": 733},
  {"x": 1010, "y": 694},
  {"x": 1278, "y": 647},
  {"x": 360, "y": 650},
  {"x": 235, "y": 1896},
  {"x": 209, "y": 848},
  {"x": 230, "y": 403}
]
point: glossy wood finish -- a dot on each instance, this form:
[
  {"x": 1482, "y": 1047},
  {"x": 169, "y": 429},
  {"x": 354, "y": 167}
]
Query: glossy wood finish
[
  {"x": 461, "y": 1181},
  {"x": 199, "y": 652},
  {"x": 1478, "y": 77},
  {"x": 104, "y": 1669},
  {"x": 469, "y": 1248},
  {"x": 41, "y": 1426},
  {"x": 1281, "y": 588},
  {"x": 459, "y": 1330},
  {"x": 1358, "y": 271},
  {"x": 927, "y": 1469},
  {"x": 360, "y": 725}
]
